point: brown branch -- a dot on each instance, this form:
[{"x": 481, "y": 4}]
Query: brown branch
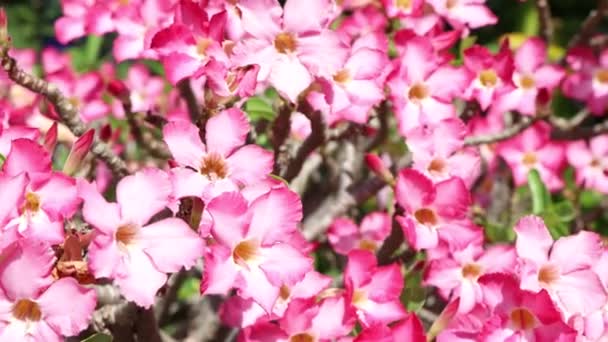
[
  {"x": 185, "y": 91},
  {"x": 66, "y": 111},
  {"x": 146, "y": 328},
  {"x": 314, "y": 140},
  {"x": 525, "y": 122},
  {"x": 170, "y": 297},
  {"x": 281, "y": 127},
  {"x": 544, "y": 18},
  {"x": 382, "y": 134},
  {"x": 589, "y": 26},
  {"x": 143, "y": 137},
  {"x": 392, "y": 242},
  {"x": 581, "y": 132}
]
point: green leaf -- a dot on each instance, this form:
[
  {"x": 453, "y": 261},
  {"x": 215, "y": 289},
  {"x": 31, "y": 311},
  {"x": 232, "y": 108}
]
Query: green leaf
[
  {"x": 259, "y": 109},
  {"x": 2, "y": 159},
  {"x": 190, "y": 288},
  {"x": 99, "y": 337},
  {"x": 556, "y": 226},
  {"x": 540, "y": 196},
  {"x": 590, "y": 199},
  {"x": 466, "y": 43},
  {"x": 279, "y": 178},
  {"x": 564, "y": 211},
  {"x": 91, "y": 50}
]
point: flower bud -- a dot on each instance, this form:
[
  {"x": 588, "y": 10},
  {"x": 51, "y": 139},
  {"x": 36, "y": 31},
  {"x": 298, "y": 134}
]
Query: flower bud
[
  {"x": 80, "y": 148},
  {"x": 376, "y": 164}
]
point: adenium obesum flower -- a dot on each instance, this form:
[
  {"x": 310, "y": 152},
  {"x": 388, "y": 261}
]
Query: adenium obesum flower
[
  {"x": 34, "y": 306},
  {"x": 373, "y": 290},
  {"x": 590, "y": 159},
  {"x": 291, "y": 44},
  {"x": 563, "y": 268},
  {"x": 459, "y": 13},
  {"x": 533, "y": 149},
  {"x": 429, "y": 208},
  {"x": 130, "y": 249},
  {"x": 222, "y": 163},
  {"x": 587, "y": 79},
  {"x": 408, "y": 329},
  {"x": 253, "y": 250},
  {"x": 344, "y": 235}
]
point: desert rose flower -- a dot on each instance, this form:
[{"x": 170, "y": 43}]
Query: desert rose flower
[
  {"x": 588, "y": 79},
  {"x": 590, "y": 159},
  {"x": 345, "y": 236}
]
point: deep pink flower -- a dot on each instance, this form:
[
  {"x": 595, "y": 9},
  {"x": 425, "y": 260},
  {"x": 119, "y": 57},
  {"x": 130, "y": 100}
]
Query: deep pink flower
[
  {"x": 588, "y": 78},
  {"x": 563, "y": 268},
  {"x": 408, "y": 329},
  {"x": 459, "y": 13},
  {"x": 39, "y": 309},
  {"x": 429, "y": 208},
  {"x": 253, "y": 251},
  {"x": 84, "y": 92},
  {"x": 590, "y": 159},
  {"x": 373, "y": 290},
  {"x": 290, "y": 44},
  {"x": 532, "y": 149},
  {"x": 345, "y": 236},
  {"x": 137, "y": 254}
]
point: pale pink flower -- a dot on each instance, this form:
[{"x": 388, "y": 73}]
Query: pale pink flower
[
  {"x": 344, "y": 235},
  {"x": 430, "y": 209},
  {"x": 563, "y": 269},
  {"x": 253, "y": 251},
  {"x": 470, "y": 13},
  {"x": 291, "y": 44},
  {"x": 143, "y": 90},
  {"x": 223, "y": 163},
  {"x": 588, "y": 79},
  {"x": 423, "y": 86},
  {"x": 33, "y": 306},
  {"x": 532, "y": 149},
  {"x": 531, "y": 75},
  {"x": 373, "y": 290},
  {"x": 590, "y": 159},
  {"x": 84, "y": 92},
  {"x": 365, "y": 24},
  {"x": 129, "y": 249}
]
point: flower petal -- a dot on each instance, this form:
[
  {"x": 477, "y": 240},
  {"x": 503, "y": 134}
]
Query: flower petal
[
  {"x": 142, "y": 195},
  {"x": 226, "y": 131}
]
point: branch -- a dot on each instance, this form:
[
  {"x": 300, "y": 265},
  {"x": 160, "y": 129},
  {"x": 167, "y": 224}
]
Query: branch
[
  {"x": 280, "y": 131},
  {"x": 392, "y": 242},
  {"x": 170, "y": 297},
  {"x": 314, "y": 140},
  {"x": 65, "y": 109},
  {"x": 383, "y": 115},
  {"x": 526, "y": 121},
  {"x": 590, "y": 25},
  {"x": 185, "y": 91},
  {"x": 143, "y": 137},
  {"x": 581, "y": 132},
  {"x": 544, "y": 17}
]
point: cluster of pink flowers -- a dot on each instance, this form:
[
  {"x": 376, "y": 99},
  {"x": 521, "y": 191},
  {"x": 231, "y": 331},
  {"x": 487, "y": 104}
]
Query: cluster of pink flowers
[{"x": 247, "y": 239}]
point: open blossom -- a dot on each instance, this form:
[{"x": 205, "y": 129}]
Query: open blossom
[
  {"x": 291, "y": 44},
  {"x": 253, "y": 250},
  {"x": 458, "y": 274},
  {"x": 531, "y": 75},
  {"x": 408, "y": 329},
  {"x": 429, "y": 208},
  {"x": 533, "y": 149},
  {"x": 373, "y": 290},
  {"x": 588, "y": 78},
  {"x": 136, "y": 253},
  {"x": 143, "y": 90},
  {"x": 590, "y": 159},
  {"x": 345, "y": 236},
  {"x": 470, "y": 13},
  {"x": 563, "y": 268},
  {"x": 223, "y": 163},
  {"x": 84, "y": 92},
  {"x": 38, "y": 309},
  {"x": 422, "y": 85}
]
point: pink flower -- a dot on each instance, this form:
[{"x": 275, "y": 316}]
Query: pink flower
[
  {"x": 290, "y": 44},
  {"x": 423, "y": 86},
  {"x": 590, "y": 160},
  {"x": 304, "y": 320},
  {"x": 531, "y": 75},
  {"x": 143, "y": 90},
  {"x": 366, "y": 23},
  {"x": 84, "y": 92},
  {"x": 429, "y": 208},
  {"x": 82, "y": 17},
  {"x": 38, "y": 309},
  {"x": 588, "y": 79},
  {"x": 254, "y": 252},
  {"x": 373, "y": 290},
  {"x": 520, "y": 315},
  {"x": 408, "y": 329},
  {"x": 459, "y": 13},
  {"x": 397, "y": 8},
  {"x": 458, "y": 274},
  {"x": 562, "y": 268},
  {"x": 223, "y": 163},
  {"x": 494, "y": 73},
  {"x": 137, "y": 254},
  {"x": 532, "y": 149},
  {"x": 439, "y": 152},
  {"x": 345, "y": 236}
]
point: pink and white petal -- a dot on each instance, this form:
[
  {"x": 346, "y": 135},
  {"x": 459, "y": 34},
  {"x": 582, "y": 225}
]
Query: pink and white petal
[
  {"x": 533, "y": 239},
  {"x": 414, "y": 190},
  {"x": 382, "y": 312},
  {"x": 274, "y": 214},
  {"x": 104, "y": 257},
  {"x": 377, "y": 225},
  {"x": 12, "y": 190},
  {"x": 68, "y": 29},
  {"x": 409, "y": 329},
  {"x": 331, "y": 321},
  {"x": 25, "y": 259},
  {"x": 577, "y": 252},
  {"x": 498, "y": 258},
  {"x": 59, "y": 196},
  {"x": 531, "y": 55},
  {"x": 261, "y": 18},
  {"x": 453, "y": 199},
  {"x": 386, "y": 283},
  {"x": 43, "y": 229},
  {"x": 474, "y": 15},
  {"x": 305, "y": 16},
  {"x": 230, "y": 219},
  {"x": 548, "y": 76},
  {"x": 358, "y": 268},
  {"x": 579, "y": 155},
  {"x": 284, "y": 265},
  {"x": 179, "y": 66},
  {"x": 241, "y": 160},
  {"x": 257, "y": 287},
  {"x": 418, "y": 52},
  {"x": 366, "y": 64},
  {"x": 599, "y": 145},
  {"x": 323, "y": 54},
  {"x": 184, "y": 142},
  {"x": 96, "y": 210},
  {"x": 141, "y": 280},
  {"x": 364, "y": 92},
  {"x": 67, "y": 320},
  {"x": 187, "y": 182},
  {"x": 220, "y": 272},
  {"x": 448, "y": 82},
  {"x": 26, "y": 156},
  {"x": 469, "y": 293},
  {"x": 290, "y": 77},
  {"x": 580, "y": 292},
  {"x": 227, "y": 131},
  {"x": 171, "y": 244},
  {"x": 143, "y": 194}
]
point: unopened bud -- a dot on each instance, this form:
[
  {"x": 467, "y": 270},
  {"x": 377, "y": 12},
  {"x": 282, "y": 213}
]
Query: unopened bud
[
  {"x": 5, "y": 39},
  {"x": 79, "y": 151},
  {"x": 50, "y": 138},
  {"x": 119, "y": 90},
  {"x": 376, "y": 164}
]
